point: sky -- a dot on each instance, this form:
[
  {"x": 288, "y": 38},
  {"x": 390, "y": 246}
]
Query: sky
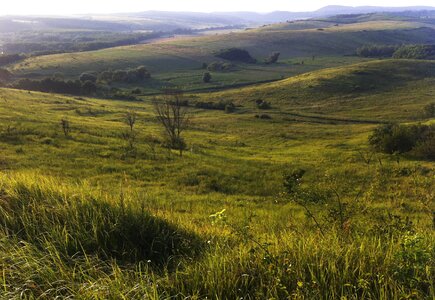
[{"x": 62, "y": 7}]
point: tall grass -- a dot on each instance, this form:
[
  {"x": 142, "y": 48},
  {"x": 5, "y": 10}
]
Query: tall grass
[{"x": 59, "y": 240}]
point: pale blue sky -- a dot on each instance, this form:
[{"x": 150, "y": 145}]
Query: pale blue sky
[{"x": 22, "y": 7}]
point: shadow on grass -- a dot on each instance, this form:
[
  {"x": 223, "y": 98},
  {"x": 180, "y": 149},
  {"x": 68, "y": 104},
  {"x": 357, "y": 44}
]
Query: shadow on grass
[{"x": 77, "y": 225}]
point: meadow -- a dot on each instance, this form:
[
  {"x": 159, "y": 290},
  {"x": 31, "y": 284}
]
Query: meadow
[{"x": 84, "y": 216}]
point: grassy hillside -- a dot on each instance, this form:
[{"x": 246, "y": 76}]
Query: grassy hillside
[
  {"x": 379, "y": 90},
  {"x": 82, "y": 216},
  {"x": 178, "y": 61}
]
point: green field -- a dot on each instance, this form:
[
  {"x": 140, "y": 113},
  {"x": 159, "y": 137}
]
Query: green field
[{"x": 85, "y": 218}]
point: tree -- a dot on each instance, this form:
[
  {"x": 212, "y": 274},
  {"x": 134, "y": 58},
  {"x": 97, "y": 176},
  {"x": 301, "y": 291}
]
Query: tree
[
  {"x": 273, "y": 58},
  {"x": 120, "y": 76},
  {"x": 129, "y": 136},
  {"x": 89, "y": 87},
  {"x": 142, "y": 73},
  {"x": 65, "y": 126},
  {"x": 130, "y": 119},
  {"x": 174, "y": 117},
  {"x": 206, "y": 77},
  {"x": 88, "y": 77}
]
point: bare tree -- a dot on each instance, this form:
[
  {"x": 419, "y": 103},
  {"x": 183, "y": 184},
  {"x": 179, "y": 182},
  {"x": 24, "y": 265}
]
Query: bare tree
[
  {"x": 130, "y": 119},
  {"x": 65, "y": 126},
  {"x": 173, "y": 115},
  {"x": 130, "y": 135}
]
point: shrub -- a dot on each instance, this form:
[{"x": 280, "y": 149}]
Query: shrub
[
  {"x": 261, "y": 104},
  {"x": 206, "y": 77},
  {"x": 292, "y": 179},
  {"x": 263, "y": 117},
  {"x": 236, "y": 54},
  {"x": 392, "y": 138},
  {"x": 426, "y": 147},
  {"x": 229, "y": 108},
  {"x": 136, "y": 91},
  {"x": 412, "y": 262}
]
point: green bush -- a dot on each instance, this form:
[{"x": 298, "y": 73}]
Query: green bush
[
  {"x": 273, "y": 58},
  {"x": 206, "y": 77},
  {"x": 261, "y": 104},
  {"x": 236, "y": 54},
  {"x": 395, "y": 138}
]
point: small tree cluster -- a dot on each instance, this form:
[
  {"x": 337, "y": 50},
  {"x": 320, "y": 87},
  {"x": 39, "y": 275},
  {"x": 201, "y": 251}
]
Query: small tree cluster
[
  {"x": 125, "y": 76},
  {"x": 219, "y": 66},
  {"x": 415, "y": 52},
  {"x": 376, "y": 50},
  {"x": 55, "y": 85},
  {"x": 219, "y": 105}
]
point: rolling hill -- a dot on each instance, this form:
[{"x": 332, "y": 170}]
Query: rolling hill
[
  {"x": 75, "y": 206},
  {"x": 188, "y": 54}
]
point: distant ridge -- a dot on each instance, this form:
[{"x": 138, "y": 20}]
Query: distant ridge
[
  {"x": 167, "y": 21},
  {"x": 255, "y": 18}
]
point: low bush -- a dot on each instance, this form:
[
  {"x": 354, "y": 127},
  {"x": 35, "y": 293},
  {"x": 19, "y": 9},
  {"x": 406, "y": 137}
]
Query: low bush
[
  {"x": 263, "y": 116},
  {"x": 261, "y": 104},
  {"x": 395, "y": 138}
]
